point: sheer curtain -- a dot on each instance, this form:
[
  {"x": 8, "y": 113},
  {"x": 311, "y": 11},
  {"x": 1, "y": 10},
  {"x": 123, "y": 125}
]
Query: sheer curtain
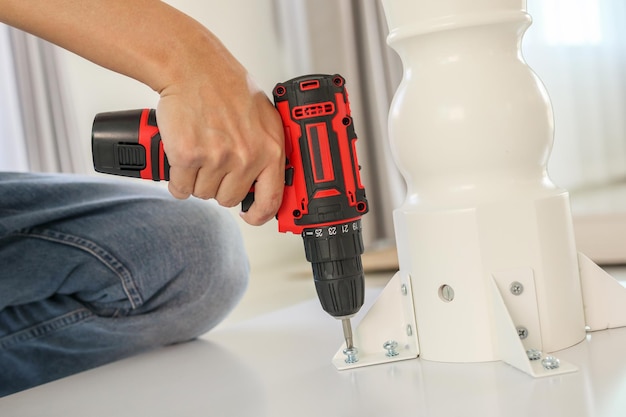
[
  {"x": 13, "y": 155},
  {"x": 46, "y": 114},
  {"x": 578, "y": 49},
  {"x": 36, "y": 125}
]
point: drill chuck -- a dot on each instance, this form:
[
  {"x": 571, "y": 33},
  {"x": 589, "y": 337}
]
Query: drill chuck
[{"x": 335, "y": 255}]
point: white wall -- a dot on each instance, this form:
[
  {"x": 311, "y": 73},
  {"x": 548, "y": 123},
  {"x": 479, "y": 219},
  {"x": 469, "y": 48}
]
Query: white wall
[{"x": 249, "y": 30}]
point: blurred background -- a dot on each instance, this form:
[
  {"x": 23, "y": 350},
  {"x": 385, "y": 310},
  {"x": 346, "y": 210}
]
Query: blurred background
[{"x": 48, "y": 98}]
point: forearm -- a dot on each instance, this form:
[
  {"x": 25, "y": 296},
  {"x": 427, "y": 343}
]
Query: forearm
[
  {"x": 219, "y": 130},
  {"x": 147, "y": 40}
]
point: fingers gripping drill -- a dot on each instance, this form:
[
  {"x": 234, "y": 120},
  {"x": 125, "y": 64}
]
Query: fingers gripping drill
[{"x": 323, "y": 199}]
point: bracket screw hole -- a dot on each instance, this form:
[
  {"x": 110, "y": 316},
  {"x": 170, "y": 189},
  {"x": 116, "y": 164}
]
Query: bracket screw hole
[{"x": 446, "y": 293}]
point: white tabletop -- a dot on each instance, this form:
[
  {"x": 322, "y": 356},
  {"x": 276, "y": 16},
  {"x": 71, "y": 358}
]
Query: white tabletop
[{"x": 280, "y": 365}]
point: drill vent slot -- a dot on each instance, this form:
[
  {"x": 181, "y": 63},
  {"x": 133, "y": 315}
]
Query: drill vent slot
[
  {"x": 313, "y": 110},
  {"x": 309, "y": 85}
]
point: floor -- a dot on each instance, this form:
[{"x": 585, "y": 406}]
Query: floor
[{"x": 272, "y": 357}]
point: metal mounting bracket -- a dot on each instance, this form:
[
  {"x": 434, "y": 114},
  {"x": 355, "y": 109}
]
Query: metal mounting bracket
[{"x": 390, "y": 319}]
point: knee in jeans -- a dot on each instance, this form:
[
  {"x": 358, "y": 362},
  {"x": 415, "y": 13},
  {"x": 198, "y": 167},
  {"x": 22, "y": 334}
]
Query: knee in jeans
[{"x": 213, "y": 276}]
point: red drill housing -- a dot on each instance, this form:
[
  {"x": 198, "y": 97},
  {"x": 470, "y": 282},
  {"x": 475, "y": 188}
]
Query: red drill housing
[
  {"x": 322, "y": 178},
  {"x": 324, "y": 198}
]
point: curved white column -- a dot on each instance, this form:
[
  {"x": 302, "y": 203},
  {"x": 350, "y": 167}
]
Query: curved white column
[{"x": 471, "y": 130}]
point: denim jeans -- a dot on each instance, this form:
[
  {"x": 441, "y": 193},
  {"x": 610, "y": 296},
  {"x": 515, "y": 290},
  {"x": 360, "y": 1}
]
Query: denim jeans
[{"x": 94, "y": 270}]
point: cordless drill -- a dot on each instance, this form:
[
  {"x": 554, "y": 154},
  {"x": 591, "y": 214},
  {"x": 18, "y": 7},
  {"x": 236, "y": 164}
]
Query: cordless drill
[{"x": 323, "y": 198}]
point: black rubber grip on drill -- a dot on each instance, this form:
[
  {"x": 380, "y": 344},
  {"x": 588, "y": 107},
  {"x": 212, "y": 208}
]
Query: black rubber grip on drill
[{"x": 335, "y": 255}]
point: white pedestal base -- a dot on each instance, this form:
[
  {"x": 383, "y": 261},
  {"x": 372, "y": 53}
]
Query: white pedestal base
[
  {"x": 471, "y": 129},
  {"x": 391, "y": 315}
]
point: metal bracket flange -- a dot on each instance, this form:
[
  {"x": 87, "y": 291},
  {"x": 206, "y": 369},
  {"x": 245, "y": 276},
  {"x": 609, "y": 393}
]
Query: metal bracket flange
[
  {"x": 604, "y": 298},
  {"x": 391, "y": 318},
  {"x": 510, "y": 347}
]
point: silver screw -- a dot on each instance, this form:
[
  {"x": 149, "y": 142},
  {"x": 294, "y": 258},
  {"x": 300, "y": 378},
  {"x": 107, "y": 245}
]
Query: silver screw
[
  {"x": 390, "y": 346},
  {"x": 550, "y": 362},
  {"x": 404, "y": 290},
  {"x": 533, "y": 354},
  {"x": 351, "y": 355},
  {"x": 522, "y": 332},
  {"x": 516, "y": 288},
  {"x": 409, "y": 330}
]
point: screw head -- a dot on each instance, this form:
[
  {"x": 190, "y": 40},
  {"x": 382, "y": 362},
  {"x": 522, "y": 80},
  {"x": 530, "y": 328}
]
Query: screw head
[
  {"x": 404, "y": 289},
  {"x": 351, "y": 355},
  {"x": 522, "y": 332},
  {"x": 516, "y": 288},
  {"x": 280, "y": 91},
  {"x": 533, "y": 354},
  {"x": 550, "y": 362},
  {"x": 390, "y": 346}
]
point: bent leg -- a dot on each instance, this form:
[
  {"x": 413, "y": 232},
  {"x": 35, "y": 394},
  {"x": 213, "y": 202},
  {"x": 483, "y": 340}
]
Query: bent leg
[{"x": 97, "y": 270}]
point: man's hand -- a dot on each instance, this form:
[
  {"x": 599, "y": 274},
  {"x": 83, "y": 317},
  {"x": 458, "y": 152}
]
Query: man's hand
[{"x": 221, "y": 135}]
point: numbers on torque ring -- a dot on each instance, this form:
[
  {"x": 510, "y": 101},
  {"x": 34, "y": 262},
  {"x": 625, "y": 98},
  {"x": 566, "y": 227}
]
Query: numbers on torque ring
[{"x": 332, "y": 230}]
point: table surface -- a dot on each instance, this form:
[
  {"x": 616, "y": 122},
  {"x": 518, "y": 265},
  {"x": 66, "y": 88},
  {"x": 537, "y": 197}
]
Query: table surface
[{"x": 279, "y": 364}]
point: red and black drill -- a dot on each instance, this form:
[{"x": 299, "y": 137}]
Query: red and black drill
[{"x": 323, "y": 198}]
